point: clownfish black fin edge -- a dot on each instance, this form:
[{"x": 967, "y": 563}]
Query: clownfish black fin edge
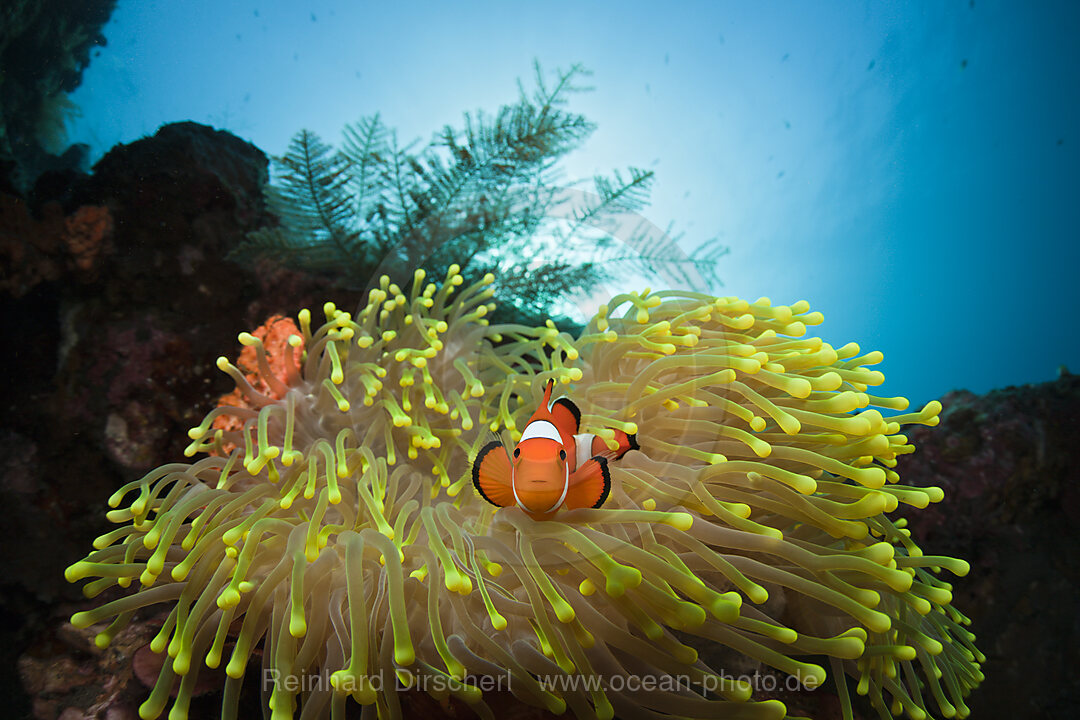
[
  {"x": 476, "y": 469},
  {"x": 607, "y": 480}
]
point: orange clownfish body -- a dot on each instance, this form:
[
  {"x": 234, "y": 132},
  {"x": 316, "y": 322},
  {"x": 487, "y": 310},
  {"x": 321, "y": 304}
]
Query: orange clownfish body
[{"x": 552, "y": 466}]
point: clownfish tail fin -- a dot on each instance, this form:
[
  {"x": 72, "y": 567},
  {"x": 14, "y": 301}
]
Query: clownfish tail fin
[{"x": 626, "y": 443}]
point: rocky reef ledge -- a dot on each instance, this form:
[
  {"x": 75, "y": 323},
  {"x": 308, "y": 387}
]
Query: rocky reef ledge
[{"x": 1012, "y": 509}]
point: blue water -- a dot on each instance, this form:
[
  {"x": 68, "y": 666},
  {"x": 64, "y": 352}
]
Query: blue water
[{"x": 908, "y": 168}]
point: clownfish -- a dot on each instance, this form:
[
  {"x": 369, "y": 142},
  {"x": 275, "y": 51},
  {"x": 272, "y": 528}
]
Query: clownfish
[{"x": 552, "y": 466}]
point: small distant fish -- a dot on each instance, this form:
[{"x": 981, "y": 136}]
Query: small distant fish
[
  {"x": 667, "y": 57},
  {"x": 787, "y": 125},
  {"x": 552, "y": 467},
  {"x": 785, "y": 58},
  {"x": 871, "y": 65},
  {"x": 963, "y": 64}
]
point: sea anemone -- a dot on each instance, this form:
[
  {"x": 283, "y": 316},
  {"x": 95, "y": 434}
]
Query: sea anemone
[{"x": 332, "y": 519}]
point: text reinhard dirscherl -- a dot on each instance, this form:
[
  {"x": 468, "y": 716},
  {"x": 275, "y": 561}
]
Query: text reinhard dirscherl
[{"x": 404, "y": 679}]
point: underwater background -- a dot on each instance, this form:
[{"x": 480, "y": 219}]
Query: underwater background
[{"x": 909, "y": 169}]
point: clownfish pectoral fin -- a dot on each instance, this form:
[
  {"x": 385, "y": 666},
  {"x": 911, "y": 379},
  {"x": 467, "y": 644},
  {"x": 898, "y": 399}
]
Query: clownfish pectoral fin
[
  {"x": 567, "y": 416},
  {"x": 492, "y": 474},
  {"x": 589, "y": 485}
]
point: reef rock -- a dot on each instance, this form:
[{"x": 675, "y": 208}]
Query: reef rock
[
  {"x": 1012, "y": 509},
  {"x": 119, "y": 293}
]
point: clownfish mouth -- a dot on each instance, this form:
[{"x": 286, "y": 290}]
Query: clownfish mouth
[{"x": 540, "y": 482}]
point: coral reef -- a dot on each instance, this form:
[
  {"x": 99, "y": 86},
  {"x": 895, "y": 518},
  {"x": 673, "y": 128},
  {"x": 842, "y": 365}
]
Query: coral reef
[
  {"x": 333, "y": 521},
  {"x": 1012, "y": 507},
  {"x": 111, "y": 365},
  {"x": 178, "y": 202},
  {"x": 85, "y": 350},
  {"x": 34, "y": 251}
]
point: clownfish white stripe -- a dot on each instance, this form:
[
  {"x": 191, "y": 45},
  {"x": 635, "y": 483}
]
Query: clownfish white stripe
[
  {"x": 541, "y": 429},
  {"x": 513, "y": 489},
  {"x": 583, "y": 442}
]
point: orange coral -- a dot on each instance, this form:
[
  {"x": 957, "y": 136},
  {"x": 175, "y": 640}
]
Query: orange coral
[
  {"x": 32, "y": 249},
  {"x": 274, "y": 334}
]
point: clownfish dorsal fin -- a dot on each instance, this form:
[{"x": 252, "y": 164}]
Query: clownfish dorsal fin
[
  {"x": 567, "y": 416},
  {"x": 589, "y": 485},
  {"x": 492, "y": 473},
  {"x": 546, "y": 402}
]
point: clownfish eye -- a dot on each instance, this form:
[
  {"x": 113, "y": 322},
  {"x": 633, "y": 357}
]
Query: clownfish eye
[
  {"x": 562, "y": 454},
  {"x": 517, "y": 452}
]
